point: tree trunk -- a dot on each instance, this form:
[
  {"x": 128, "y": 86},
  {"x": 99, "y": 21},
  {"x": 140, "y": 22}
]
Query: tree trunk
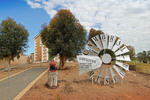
[
  {"x": 7, "y": 62},
  {"x": 62, "y": 62}
]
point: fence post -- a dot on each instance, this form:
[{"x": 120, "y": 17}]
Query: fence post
[
  {"x": 26, "y": 68},
  {"x": 8, "y": 76},
  {"x": 41, "y": 63},
  {"x": 35, "y": 63}
]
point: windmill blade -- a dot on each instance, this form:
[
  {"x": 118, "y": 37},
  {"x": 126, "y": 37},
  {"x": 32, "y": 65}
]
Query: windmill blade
[
  {"x": 101, "y": 72},
  {"x": 121, "y": 51},
  {"x": 106, "y": 80},
  {"x": 98, "y": 78},
  {"x": 104, "y": 39},
  {"x": 123, "y": 65},
  {"x": 91, "y": 73},
  {"x": 92, "y": 47},
  {"x": 123, "y": 58},
  {"x": 97, "y": 41},
  {"x": 114, "y": 77},
  {"x": 119, "y": 71},
  {"x": 112, "y": 40},
  {"x": 88, "y": 63},
  {"x": 89, "y": 53},
  {"x": 117, "y": 45}
]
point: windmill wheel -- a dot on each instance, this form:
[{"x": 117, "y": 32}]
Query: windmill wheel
[{"x": 107, "y": 53}]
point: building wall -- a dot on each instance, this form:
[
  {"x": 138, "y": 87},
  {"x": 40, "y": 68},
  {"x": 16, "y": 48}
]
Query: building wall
[
  {"x": 56, "y": 59},
  {"x": 37, "y": 49},
  {"x": 40, "y": 51},
  {"x": 44, "y": 54},
  {"x": 22, "y": 60},
  {"x": 32, "y": 57}
]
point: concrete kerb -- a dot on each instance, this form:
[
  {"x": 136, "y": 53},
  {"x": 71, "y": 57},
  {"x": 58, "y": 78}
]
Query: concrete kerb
[{"x": 29, "y": 86}]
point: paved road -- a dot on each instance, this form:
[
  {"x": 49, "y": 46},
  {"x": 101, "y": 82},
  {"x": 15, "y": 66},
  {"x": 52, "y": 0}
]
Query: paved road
[{"x": 18, "y": 83}]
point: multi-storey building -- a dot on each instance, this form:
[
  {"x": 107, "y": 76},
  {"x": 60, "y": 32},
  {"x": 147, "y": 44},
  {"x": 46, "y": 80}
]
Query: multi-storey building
[{"x": 40, "y": 50}]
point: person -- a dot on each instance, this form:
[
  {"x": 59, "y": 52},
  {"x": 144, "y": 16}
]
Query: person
[
  {"x": 52, "y": 74},
  {"x": 52, "y": 66}
]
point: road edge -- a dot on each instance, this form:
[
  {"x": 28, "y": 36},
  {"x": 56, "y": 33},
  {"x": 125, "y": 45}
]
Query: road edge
[{"x": 29, "y": 86}]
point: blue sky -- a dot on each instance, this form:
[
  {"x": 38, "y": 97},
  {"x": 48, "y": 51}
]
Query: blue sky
[
  {"x": 127, "y": 19},
  {"x": 22, "y": 13}
]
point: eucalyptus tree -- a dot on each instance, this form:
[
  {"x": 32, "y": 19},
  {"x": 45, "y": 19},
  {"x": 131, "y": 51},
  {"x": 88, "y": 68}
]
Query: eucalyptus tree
[
  {"x": 13, "y": 40},
  {"x": 64, "y": 36}
]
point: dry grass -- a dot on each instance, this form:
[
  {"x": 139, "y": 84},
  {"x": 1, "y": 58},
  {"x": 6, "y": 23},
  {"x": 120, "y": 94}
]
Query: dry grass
[{"x": 141, "y": 67}]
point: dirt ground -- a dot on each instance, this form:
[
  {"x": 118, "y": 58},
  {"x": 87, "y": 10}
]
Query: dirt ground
[{"x": 135, "y": 86}]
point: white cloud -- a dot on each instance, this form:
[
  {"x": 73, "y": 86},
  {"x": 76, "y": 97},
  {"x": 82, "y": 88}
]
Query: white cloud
[
  {"x": 127, "y": 19},
  {"x": 34, "y": 4}
]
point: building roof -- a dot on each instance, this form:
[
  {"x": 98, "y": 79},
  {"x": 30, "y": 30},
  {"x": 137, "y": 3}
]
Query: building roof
[{"x": 36, "y": 36}]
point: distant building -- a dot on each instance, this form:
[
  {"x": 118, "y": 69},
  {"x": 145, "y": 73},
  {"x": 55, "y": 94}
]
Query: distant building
[
  {"x": 22, "y": 60},
  {"x": 40, "y": 50},
  {"x": 32, "y": 57}
]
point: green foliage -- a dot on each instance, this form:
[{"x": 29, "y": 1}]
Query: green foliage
[
  {"x": 50, "y": 57},
  {"x": 148, "y": 55},
  {"x": 64, "y": 35},
  {"x": 93, "y": 33},
  {"x": 143, "y": 56},
  {"x": 13, "y": 38},
  {"x": 132, "y": 52}
]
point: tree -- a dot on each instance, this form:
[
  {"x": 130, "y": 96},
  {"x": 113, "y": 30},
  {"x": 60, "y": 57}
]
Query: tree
[
  {"x": 132, "y": 51},
  {"x": 64, "y": 36},
  {"x": 13, "y": 40},
  {"x": 142, "y": 56},
  {"x": 94, "y": 32},
  {"x": 148, "y": 55}
]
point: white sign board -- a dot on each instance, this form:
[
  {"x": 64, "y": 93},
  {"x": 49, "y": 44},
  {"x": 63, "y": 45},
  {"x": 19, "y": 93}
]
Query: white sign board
[
  {"x": 91, "y": 73},
  {"x": 98, "y": 78},
  {"x": 114, "y": 77},
  {"x": 121, "y": 51},
  {"x": 92, "y": 47},
  {"x": 123, "y": 58},
  {"x": 104, "y": 39},
  {"x": 117, "y": 45},
  {"x": 123, "y": 65},
  {"x": 101, "y": 72},
  {"x": 97, "y": 41},
  {"x": 119, "y": 71},
  {"x": 88, "y": 63},
  {"x": 106, "y": 80},
  {"x": 112, "y": 40}
]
